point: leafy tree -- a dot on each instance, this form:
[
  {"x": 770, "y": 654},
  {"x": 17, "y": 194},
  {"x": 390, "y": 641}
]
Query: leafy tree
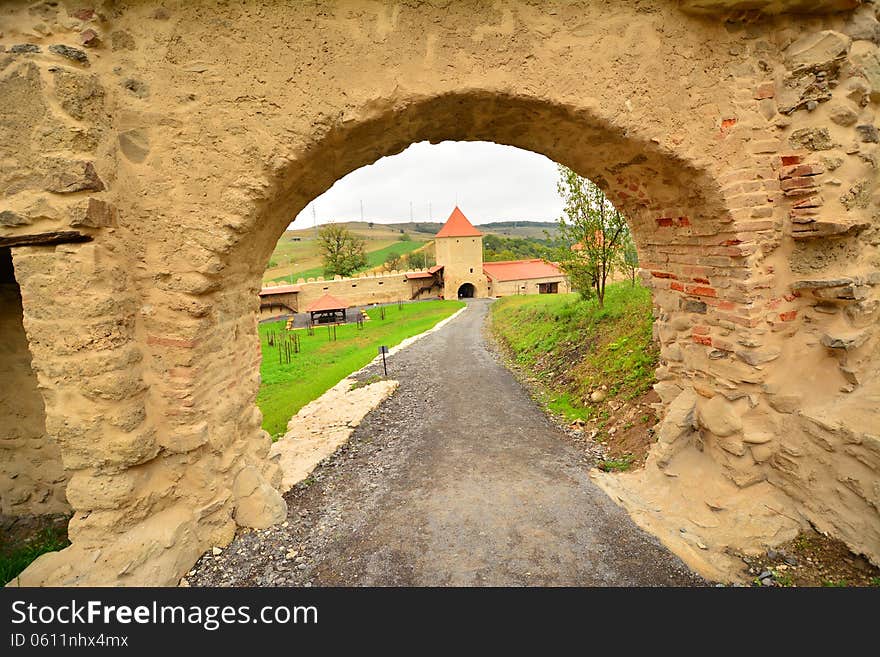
[
  {"x": 404, "y": 236},
  {"x": 417, "y": 260},
  {"x": 343, "y": 253},
  {"x": 629, "y": 258},
  {"x": 370, "y": 224},
  {"x": 594, "y": 228},
  {"x": 392, "y": 261}
]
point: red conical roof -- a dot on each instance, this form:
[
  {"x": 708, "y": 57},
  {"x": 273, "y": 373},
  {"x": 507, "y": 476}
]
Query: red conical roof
[{"x": 458, "y": 226}]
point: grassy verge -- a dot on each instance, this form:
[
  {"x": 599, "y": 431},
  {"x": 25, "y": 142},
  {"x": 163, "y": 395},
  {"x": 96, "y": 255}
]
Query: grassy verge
[
  {"x": 321, "y": 364},
  {"x": 17, "y": 555},
  {"x": 572, "y": 349}
]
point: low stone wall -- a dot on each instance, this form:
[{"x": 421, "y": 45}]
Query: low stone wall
[{"x": 363, "y": 290}]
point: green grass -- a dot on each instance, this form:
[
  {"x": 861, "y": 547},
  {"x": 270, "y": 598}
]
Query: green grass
[
  {"x": 321, "y": 364},
  {"x": 15, "y": 559},
  {"x": 573, "y": 346},
  {"x": 617, "y": 465}
]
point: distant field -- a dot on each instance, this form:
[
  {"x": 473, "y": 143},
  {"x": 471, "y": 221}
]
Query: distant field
[
  {"x": 302, "y": 259},
  {"x": 285, "y": 388}
]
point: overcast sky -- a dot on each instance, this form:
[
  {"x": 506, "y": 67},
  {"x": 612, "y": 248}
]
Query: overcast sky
[{"x": 490, "y": 183}]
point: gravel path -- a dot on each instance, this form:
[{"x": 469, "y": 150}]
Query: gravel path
[{"x": 457, "y": 479}]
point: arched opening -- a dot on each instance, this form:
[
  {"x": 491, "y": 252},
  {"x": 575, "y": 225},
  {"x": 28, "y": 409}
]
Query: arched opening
[
  {"x": 674, "y": 207},
  {"x": 466, "y": 291},
  {"x": 32, "y": 477}
]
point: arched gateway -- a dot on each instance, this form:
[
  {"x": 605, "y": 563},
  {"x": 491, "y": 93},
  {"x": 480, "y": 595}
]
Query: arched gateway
[
  {"x": 155, "y": 156},
  {"x": 466, "y": 291}
]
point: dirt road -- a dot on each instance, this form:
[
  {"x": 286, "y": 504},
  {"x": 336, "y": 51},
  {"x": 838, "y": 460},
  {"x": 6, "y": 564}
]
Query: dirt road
[{"x": 457, "y": 479}]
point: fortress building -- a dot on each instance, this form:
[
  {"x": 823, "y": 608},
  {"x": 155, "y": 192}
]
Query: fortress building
[
  {"x": 459, "y": 273},
  {"x": 459, "y": 249}
]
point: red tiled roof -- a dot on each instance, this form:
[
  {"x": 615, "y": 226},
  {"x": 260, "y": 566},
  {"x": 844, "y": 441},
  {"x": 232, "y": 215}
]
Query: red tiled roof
[
  {"x": 517, "y": 270},
  {"x": 435, "y": 269},
  {"x": 327, "y": 302},
  {"x": 458, "y": 226},
  {"x": 419, "y": 274},
  {"x": 280, "y": 289}
]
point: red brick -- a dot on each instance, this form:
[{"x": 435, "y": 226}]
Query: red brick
[
  {"x": 701, "y": 291},
  {"x": 662, "y": 274},
  {"x": 788, "y": 160},
  {"x": 750, "y": 322},
  {"x": 684, "y": 221},
  {"x": 801, "y": 170},
  {"x": 664, "y": 222},
  {"x": 700, "y": 330},
  {"x": 798, "y": 183},
  {"x": 725, "y": 345},
  {"x": 698, "y": 279},
  {"x": 727, "y": 124},
  {"x": 675, "y": 285},
  {"x": 788, "y": 315},
  {"x": 765, "y": 90},
  {"x": 813, "y": 201},
  {"x": 702, "y": 339}
]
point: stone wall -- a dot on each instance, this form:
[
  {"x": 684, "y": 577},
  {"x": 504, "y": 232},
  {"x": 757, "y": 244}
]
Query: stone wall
[
  {"x": 365, "y": 289},
  {"x": 155, "y": 154},
  {"x": 530, "y": 286}
]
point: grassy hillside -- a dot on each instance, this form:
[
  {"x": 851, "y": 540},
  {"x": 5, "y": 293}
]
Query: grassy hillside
[
  {"x": 321, "y": 364},
  {"x": 573, "y": 349},
  {"x": 302, "y": 258}
]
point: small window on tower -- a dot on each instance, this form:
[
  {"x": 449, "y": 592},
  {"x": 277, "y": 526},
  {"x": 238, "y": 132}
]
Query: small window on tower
[{"x": 472, "y": 270}]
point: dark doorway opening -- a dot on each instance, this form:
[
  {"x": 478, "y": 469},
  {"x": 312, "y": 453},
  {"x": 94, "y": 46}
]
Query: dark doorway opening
[
  {"x": 466, "y": 291},
  {"x": 548, "y": 288}
]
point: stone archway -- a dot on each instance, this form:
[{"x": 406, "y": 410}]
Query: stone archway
[
  {"x": 177, "y": 183},
  {"x": 466, "y": 291}
]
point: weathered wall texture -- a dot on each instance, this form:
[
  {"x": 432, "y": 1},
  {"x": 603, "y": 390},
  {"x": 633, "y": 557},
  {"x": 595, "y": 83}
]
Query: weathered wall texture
[
  {"x": 32, "y": 478},
  {"x": 181, "y": 137}
]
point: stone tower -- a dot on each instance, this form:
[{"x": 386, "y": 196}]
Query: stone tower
[{"x": 459, "y": 249}]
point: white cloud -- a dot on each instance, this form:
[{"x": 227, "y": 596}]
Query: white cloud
[{"x": 490, "y": 182}]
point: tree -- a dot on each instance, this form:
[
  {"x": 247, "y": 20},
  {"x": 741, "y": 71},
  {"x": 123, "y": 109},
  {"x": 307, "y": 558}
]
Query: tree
[
  {"x": 594, "y": 231},
  {"x": 370, "y": 224},
  {"x": 417, "y": 260},
  {"x": 343, "y": 253},
  {"x": 392, "y": 261},
  {"x": 629, "y": 260}
]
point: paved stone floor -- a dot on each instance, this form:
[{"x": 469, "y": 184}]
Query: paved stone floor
[{"x": 457, "y": 479}]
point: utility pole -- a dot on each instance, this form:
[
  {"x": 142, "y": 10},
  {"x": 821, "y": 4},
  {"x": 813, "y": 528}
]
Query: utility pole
[
  {"x": 362, "y": 211},
  {"x": 315, "y": 221},
  {"x": 410, "y": 212}
]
